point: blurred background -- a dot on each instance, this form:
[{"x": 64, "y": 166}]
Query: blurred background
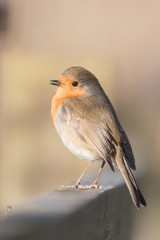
[{"x": 119, "y": 41}]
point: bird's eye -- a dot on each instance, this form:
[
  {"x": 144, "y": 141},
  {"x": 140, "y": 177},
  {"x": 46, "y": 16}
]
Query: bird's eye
[{"x": 74, "y": 83}]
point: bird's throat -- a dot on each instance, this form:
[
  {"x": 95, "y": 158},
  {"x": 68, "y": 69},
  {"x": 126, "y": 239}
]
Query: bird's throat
[{"x": 61, "y": 94}]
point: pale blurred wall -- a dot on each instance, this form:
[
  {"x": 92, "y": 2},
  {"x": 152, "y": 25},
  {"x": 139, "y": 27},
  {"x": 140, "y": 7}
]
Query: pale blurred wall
[{"x": 119, "y": 41}]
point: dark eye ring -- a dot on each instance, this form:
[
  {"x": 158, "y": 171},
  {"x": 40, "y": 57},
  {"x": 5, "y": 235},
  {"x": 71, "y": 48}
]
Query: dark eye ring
[{"x": 75, "y": 83}]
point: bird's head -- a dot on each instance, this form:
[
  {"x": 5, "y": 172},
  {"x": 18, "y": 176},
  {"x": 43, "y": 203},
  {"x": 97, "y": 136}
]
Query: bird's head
[{"x": 76, "y": 82}]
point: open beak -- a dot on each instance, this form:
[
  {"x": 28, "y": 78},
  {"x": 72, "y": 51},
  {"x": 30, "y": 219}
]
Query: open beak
[{"x": 55, "y": 82}]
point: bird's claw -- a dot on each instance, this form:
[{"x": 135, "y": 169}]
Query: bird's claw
[
  {"x": 74, "y": 186},
  {"x": 80, "y": 186},
  {"x": 96, "y": 186}
]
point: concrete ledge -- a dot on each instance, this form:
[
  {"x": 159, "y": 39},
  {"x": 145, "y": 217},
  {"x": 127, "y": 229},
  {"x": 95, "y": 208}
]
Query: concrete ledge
[{"x": 76, "y": 214}]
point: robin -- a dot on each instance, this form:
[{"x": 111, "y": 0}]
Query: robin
[{"x": 88, "y": 125}]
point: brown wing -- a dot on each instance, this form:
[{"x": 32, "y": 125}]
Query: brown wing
[
  {"x": 125, "y": 144},
  {"x": 100, "y": 125},
  {"x": 95, "y": 134}
]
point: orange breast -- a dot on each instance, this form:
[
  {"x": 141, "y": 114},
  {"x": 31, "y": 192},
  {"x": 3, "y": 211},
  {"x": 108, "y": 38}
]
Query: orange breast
[
  {"x": 56, "y": 102},
  {"x": 65, "y": 91}
]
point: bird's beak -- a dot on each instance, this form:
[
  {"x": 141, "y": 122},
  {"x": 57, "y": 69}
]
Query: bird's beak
[{"x": 55, "y": 82}]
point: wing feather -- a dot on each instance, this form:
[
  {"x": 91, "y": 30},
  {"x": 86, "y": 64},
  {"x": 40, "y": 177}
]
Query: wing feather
[
  {"x": 98, "y": 126},
  {"x": 97, "y": 135}
]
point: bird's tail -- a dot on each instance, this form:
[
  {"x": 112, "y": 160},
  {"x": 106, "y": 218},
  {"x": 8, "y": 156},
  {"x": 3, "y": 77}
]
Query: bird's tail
[{"x": 133, "y": 188}]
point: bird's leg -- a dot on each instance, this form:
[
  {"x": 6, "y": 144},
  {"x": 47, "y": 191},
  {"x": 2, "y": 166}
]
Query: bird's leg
[
  {"x": 94, "y": 184},
  {"x": 85, "y": 170},
  {"x": 78, "y": 184}
]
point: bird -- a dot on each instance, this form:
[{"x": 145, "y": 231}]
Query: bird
[{"x": 87, "y": 124}]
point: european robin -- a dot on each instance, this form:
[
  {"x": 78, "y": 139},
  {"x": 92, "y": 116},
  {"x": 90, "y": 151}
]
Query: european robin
[{"x": 88, "y": 125}]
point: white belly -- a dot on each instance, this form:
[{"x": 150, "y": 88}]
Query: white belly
[{"x": 72, "y": 141}]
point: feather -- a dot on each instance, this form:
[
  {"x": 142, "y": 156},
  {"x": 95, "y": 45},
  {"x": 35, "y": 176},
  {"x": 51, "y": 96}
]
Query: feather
[
  {"x": 133, "y": 188},
  {"x": 96, "y": 135}
]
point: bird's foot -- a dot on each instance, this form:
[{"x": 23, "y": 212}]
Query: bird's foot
[
  {"x": 80, "y": 186},
  {"x": 72, "y": 186},
  {"x": 96, "y": 186}
]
